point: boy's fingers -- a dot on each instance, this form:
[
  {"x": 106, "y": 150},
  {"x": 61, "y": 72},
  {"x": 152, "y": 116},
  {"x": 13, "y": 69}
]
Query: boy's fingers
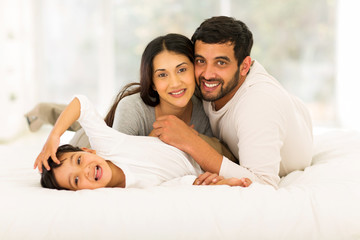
[{"x": 54, "y": 158}]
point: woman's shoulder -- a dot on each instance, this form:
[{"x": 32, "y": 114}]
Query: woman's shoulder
[{"x": 134, "y": 102}]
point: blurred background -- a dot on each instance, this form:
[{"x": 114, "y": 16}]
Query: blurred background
[{"x": 53, "y": 49}]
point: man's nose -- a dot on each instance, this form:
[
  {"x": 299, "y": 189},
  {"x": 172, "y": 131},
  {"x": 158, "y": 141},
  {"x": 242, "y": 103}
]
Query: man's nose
[{"x": 208, "y": 72}]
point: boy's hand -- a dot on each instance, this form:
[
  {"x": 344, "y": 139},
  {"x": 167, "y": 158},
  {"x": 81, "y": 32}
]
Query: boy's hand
[
  {"x": 48, "y": 150},
  {"x": 214, "y": 179}
]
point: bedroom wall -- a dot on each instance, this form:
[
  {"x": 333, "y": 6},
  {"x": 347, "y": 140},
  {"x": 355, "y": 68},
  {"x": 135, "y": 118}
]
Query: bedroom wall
[
  {"x": 53, "y": 49},
  {"x": 347, "y": 62}
]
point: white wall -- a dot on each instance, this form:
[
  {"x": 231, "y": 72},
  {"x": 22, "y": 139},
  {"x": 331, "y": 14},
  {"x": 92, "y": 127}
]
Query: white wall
[
  {"x": 348, "y": 64},
  {"x": 17, "y": 67}
]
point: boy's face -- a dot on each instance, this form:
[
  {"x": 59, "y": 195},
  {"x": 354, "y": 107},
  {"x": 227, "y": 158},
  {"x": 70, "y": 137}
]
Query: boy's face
[{"x": 82, "y": 170}]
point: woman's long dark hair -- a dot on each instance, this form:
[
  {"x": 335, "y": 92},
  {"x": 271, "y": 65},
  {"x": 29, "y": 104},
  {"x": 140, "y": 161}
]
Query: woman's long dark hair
[{"x": 172, "y": 42}]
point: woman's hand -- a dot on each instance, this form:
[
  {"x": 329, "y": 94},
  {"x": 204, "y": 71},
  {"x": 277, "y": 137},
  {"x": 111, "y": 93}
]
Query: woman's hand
[
  {"x": 49, "y": 150},
  {"x": 209, "y": 178}
]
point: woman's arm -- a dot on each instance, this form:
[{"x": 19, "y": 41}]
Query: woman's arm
[{"x": 65, "y": 120}]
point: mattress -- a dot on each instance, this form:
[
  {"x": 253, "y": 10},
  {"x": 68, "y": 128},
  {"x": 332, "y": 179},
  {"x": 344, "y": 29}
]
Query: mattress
[{"x": 321, "y": 202}]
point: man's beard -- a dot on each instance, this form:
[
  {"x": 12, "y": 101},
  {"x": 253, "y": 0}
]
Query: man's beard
[{"x": 223, "y": 91}]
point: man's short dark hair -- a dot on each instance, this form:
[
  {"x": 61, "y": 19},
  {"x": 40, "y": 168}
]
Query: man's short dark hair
[{"x": 224, "y": 29}]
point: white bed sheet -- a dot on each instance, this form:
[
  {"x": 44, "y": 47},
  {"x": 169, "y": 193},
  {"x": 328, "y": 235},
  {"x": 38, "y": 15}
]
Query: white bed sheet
[{"x": 321, "y": 202}]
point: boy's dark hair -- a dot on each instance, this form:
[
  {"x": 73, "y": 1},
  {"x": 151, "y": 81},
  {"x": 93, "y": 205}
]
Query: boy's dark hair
[
  {"x": 47, "y": 177},
  {"x": 224, "y": 29}
]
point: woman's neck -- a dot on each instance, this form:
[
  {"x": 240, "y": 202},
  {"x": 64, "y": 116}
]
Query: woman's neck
[{"x": 183, "y": 113}]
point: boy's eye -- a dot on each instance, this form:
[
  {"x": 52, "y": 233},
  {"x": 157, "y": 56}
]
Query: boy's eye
[
  {"x": 78, "y": 161},
  {"x": 76, "y": 181}
]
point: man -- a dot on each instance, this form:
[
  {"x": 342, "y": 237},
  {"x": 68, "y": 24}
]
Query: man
[{"x": 265, "y": 127}]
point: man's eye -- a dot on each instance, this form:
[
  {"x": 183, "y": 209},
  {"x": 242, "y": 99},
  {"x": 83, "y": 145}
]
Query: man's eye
[
  {"x": 76, "y": 181},
  {"x": 79, "y": 160},
  {"x": 221, "y": 63},
  {"x": 199, "y": 61}
]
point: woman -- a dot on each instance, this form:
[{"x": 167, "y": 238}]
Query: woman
[{"x": 166, "y": 87}]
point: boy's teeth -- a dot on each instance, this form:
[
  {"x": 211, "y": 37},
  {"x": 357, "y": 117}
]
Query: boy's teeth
[{"x": 210, "y": 85}]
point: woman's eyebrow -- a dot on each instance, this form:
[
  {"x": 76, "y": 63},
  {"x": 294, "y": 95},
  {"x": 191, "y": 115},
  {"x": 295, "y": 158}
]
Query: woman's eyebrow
[
  {"x": 159, "y": 69},
  {"x": 180, "y": 64}
]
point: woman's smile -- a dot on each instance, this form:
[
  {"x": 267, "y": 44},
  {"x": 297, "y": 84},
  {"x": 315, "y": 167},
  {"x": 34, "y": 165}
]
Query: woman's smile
[{"x": 178, "y": 93}]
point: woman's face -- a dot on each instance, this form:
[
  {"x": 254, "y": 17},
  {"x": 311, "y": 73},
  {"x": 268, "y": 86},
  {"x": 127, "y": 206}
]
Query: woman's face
[
  {"x": 82, "y": 170},
  {"x": 173, "y": 79}
]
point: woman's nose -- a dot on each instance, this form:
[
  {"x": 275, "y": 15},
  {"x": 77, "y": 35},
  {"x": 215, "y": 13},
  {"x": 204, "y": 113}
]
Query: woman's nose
[{"x": 175, "y": 81}]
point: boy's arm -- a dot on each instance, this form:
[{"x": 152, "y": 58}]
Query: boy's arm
[{"x": 66, "y": 118}]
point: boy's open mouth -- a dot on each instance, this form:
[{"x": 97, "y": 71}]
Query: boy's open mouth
[{"x": 98, "y": 173}]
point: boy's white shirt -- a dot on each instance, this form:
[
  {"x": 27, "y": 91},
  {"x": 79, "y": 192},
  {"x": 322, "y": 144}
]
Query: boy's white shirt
[{"x": 146, "y": 161}]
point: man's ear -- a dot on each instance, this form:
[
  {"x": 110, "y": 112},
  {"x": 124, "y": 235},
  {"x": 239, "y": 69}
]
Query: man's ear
[
  {"x": 245, "y": 66},
  {"x": 89, "y": 150}
]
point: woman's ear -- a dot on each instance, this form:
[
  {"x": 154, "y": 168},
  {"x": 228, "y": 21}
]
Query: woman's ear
[
  {"x": 153, "y": 87},
  {"x": 89, "y": 150}
]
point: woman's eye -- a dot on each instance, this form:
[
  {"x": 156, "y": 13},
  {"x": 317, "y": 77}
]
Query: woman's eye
[
  {"x": 79, "y": 160},
  {"x": 162, "y": 75},
  {"x": 76, "y": 181},
  {"x": 182, "y": 70}
]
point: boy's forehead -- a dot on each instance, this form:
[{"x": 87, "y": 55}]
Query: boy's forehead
[{"x": 67, "y": 155}]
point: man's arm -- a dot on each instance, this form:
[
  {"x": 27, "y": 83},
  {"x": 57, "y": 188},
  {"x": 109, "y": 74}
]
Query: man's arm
[{"x": 175, "y": 132}]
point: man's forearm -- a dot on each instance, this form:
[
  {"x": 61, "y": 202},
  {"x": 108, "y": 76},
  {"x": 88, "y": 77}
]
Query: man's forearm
[{"x": 206, "y": 156}]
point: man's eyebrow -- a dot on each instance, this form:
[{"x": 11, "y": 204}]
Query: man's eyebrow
[
  {"x": 223, "y": 58},
  {"x": 198, "y": 55}
]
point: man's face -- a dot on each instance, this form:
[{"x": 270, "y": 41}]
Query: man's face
[
  {"x": 82, "y": 170},
  {"x": 216, "y": 71}
]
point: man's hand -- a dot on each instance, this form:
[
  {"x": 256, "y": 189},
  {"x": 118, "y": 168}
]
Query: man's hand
[
  {"x": 209, "y": 178},
  {"x": 173, "y": 131}
]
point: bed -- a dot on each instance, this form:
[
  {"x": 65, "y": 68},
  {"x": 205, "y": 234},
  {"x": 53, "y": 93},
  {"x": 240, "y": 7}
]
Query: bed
[{"x": 321, "y": 202}]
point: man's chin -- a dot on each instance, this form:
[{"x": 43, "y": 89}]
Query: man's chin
[{"x": 209, "y": 97}]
